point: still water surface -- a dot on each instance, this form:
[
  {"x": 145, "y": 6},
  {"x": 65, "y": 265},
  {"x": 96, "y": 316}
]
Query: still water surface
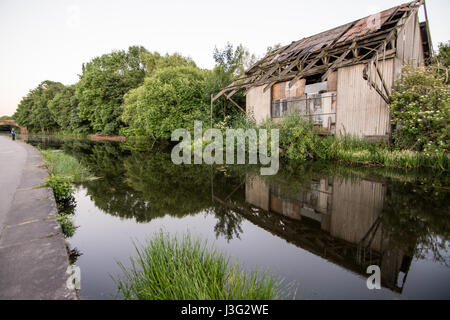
[{"x": 319, "y": 225}]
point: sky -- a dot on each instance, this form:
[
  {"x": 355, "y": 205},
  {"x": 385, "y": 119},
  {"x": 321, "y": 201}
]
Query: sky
[{"x": 50, "y": 39}]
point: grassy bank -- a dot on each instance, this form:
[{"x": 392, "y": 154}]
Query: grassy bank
[
  {"x": 299, "y": 142},
  {"x": 360, "y": 152},
  {"x": 64, "y": 171},
  {"x": 67, "y": 166},
  {"x": 167, "y": 268}
]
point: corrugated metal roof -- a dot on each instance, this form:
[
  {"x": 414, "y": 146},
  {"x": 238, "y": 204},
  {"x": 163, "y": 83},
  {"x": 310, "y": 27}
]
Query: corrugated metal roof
[
  {"x": 347, "y": 32},
  {"x": 280, "y": 65},
  {"x": 368, "y": 25}
]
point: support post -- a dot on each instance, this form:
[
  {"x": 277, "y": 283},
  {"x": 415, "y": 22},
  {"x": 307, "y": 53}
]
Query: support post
[{"x": 211, "y": 112}]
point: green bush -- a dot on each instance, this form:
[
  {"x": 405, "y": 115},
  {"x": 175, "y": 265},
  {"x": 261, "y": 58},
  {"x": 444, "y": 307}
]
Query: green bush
[
  {"x": 170, "y": 99},
  {"x": 297, "y": 138},
  {"x": 299, "y": 142},
  {"x": 420, "y": 107},
  {"x": 67, "y": 226},
  {"x": 62, "y": 188}
]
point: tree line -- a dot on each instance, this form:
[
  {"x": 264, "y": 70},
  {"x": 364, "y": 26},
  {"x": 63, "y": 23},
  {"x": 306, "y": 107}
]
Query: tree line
[
  {"x": 134, "y": 92},
  {"x": 142, "y": 93}
]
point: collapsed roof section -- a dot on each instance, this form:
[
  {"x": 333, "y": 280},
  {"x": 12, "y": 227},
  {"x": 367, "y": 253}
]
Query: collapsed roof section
[{"x": 314, "y": 58}]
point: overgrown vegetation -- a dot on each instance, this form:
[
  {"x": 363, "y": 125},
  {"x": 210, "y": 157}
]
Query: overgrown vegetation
[
  {"x": 65, "y": 170},
  {"x": 170, "y": 268},
  {"x": 172, "y": 98},
  {"x": 62, "y": 188},
  {"x": 299, "y": 142},
  {"x": 142, "y": 93},
  {"x": 129, "y": 92},
  {"x": 420, "y": 106},
  {"x": 63, "y": 192},
  {"x": 66, "y": 166},
  {"x": 67, "y": 225}
]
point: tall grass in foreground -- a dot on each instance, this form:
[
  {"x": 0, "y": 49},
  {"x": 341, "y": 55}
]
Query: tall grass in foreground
[
  {"x": 168, "y": 268},
  {"x": 61, "y": 164}
]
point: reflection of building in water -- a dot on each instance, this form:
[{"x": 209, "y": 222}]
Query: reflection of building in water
[{"x": 337, "y": 219}]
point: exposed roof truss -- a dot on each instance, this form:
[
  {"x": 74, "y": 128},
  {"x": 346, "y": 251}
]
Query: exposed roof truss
[{"x": 361, "y": 41}]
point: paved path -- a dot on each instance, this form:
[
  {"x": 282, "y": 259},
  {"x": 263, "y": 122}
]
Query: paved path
[{"x": 33, "y": 256}]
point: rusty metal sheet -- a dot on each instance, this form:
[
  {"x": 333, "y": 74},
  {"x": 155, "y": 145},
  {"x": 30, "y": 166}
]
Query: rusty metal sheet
[
  {"x": 368, "y": 25},
  {"x": 293, "y": 53}
]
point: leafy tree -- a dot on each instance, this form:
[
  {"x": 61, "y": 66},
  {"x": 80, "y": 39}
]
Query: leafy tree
[
  {"x": 230, "y": 64},
  {"x": 33, "y": 110},
  {"x": 23, "y": 111},
  {"x": 65, "y": 111},
  {"x": 154, "y": 61},
  {"x": 172, "y": 98},
  {"x": 420, "y": 107},
  {"x": 104, "y": 82},
  {"x": 444, "y": 54},
  {"x": 231, "y": 61}
]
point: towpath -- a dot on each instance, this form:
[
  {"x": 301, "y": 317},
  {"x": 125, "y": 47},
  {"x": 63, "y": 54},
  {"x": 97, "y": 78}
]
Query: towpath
[{"x": 33, "y": 256}]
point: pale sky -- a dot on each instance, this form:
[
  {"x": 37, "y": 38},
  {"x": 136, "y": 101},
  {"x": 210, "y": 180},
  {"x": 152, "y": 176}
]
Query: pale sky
[{"x": 50, "y": 39}]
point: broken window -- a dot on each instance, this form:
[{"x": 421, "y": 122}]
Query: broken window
[
  {"x": 279, "y": 108},
  {"x": 314, "y": 100},
  {"x": 283, "y": 96}
]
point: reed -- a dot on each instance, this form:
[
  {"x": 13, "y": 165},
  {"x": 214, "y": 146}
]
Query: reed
[
  {"x": 61, "y": 164},
  {"x": 168, "y": 268}
]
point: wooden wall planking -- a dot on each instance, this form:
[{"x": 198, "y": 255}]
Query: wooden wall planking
[
  {"x": 257, "y": 192},
  {"x": 259, "y": 103},
  {"x": 281, "y": 90},
  {"x": 332, "y": 81},
  {"x": 409, "y": 43},
  {"x": 355, "y": 209},
  {"x": 360, "y": 109}
]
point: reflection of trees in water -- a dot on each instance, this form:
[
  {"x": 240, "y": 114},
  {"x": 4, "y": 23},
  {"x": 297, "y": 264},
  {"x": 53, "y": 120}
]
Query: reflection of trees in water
[
  {"x": 167, "y": 188},
  {"x": 147, "y": 185},
  {"x": 417, "y": 215},
  {"x": 183, "y": 190},
  {"x": 228, "y": 224}
]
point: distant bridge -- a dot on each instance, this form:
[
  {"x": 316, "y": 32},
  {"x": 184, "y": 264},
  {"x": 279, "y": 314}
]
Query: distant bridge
[{"x": 13, "y": 123}]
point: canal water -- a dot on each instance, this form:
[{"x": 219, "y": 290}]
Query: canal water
[{"x": 317, "y": 225}]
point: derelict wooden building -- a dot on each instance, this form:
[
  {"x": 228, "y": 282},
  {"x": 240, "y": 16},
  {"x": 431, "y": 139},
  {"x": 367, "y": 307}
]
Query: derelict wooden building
[{"x": 339, "y": 79}]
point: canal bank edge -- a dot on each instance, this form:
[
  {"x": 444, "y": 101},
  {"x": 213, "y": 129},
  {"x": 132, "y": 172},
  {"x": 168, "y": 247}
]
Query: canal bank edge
[{"x": 33, "y": 257}]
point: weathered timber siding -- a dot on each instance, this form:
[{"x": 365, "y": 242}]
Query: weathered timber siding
[
  {"x": 409, "y": 47},
  {"x": 257, "y": 192},
  {"x": 332, "y": 81},
  {"x": 360, "y": 109},
  {"x": 287, "y": 208},
  {"x": 282, "y": 90},
  {"x": 409, "y": 43},
  {"x": 258, "y": 103},
  {"x": 355, "y": 209}
]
